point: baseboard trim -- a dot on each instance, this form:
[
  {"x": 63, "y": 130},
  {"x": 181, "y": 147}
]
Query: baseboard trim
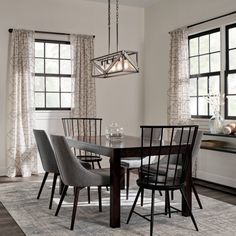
[
  {"x": 3, "y": 171},
  {"x": 216, "y": 178},
  {"x": 215, "y": 186}
]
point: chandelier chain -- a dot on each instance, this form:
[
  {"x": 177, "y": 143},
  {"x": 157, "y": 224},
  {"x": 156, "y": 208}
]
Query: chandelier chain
[
  {"x": 117, "y": 24},
  {"x": 109, "y": 26}
]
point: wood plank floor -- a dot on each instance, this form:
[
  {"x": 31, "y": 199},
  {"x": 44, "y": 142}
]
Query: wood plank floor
[{"x": 9, "y": 227}]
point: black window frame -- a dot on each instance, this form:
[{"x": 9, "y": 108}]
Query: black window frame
[
  {"x": 227, "y": 70},
  {"x": 208, "y": 74},
  {"x": 52, "y": 75}
]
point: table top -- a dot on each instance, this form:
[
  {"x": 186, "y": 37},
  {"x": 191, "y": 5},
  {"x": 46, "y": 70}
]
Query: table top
[{"x": 128, "y": 146}]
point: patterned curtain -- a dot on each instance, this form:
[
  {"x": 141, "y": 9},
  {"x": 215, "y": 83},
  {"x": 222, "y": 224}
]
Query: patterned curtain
[
  {"x": 84, "y": 90},
  {"x": 21, "y": 149},
  {"x": 178, "y": 93}
]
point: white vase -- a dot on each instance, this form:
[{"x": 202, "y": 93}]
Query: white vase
[{"x": 216, "y": 123}]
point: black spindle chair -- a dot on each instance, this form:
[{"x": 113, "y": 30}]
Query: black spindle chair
[
  {"x": 84, "y": 127},
  {"x": 165, "y": 177}
]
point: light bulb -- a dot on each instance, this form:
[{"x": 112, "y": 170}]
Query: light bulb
[
  {"x": 126, "y": 64},
  {"x": 107, "y": 64},
  {"x": 119, "y": 66},
  {"x": 113, "y": 69}
]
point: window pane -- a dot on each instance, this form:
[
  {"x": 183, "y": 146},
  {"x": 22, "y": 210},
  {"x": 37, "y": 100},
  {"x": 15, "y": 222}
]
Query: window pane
[
  {"x": 193, "y": 105},
  {"x": 202, "y": 106},
  {"x": 194, "y": 65},
  {"x": 52, "y": 50},
  {"x": 231, "y": 84},
  {"x": 202, "y": 86},
  {"x": 52, "y": 100},
  {"x": 65, "y": 51},
  {"x": 204, "y": 44},
  {"x": 65, "y": 99},
  {"x": 39, "y": 66},
  {"x": 232, "y": 105},
  {"x": 232, "y": 59},
  {"x": 65, "y": 67},
  {"x": 193, "y": 46},
  {"x": 39, "y": 49},
  {"x": 214, "y": 84},
  {"x": 39, "y": 100},
  {"x": 232, "y": 38},
  {"x": 215, "y": 62},
  {"x": 52, "y": 84},
  {"x": 193, "y": 86},
  {"x": 52, "y": 66},
  {"x": 66, "y": 84},
  {"x": 204, "y": 64},
  {"x": 39, "y": 83},
  {"x": 215, "y": 42}
]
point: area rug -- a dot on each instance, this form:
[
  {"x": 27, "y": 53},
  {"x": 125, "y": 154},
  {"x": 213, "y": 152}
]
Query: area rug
[{"x": 34, "y": 217}]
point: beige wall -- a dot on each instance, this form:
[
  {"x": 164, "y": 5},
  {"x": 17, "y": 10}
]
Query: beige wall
[
  {"x": 119, "y": 99},
  {"x": 159, "y": 20}
]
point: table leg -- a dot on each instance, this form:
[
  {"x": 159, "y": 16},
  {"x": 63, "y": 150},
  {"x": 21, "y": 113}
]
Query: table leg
[
  {"x": 115, "y": 190},
  {"x": 188, "y": 192}
]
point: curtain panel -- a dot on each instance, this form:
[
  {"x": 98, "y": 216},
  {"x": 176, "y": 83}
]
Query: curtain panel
[
  {"x": 21, "y": 149},
  {"x": 83, "y": 85},
  {"x": 178, "y": 92}
]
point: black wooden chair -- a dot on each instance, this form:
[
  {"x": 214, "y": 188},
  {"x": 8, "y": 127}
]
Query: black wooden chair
[
  {"x": 48, "y": 161},
  {"x": 74, "y": 174},
  {"x": 165, "y": 177},
  {"x": 134, "y": 163},
  {"x": 84, "y": 127}
]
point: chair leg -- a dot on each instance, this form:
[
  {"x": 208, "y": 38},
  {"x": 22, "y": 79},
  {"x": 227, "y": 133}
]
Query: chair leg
[
  {"x": 152, "y": 212},
  {"x": 76, "y": 198},
  {"x": 92, "y": 165},
  {"x": 61, "y": 199},
  {"x": 191, "y": 214},
  {"x": 99, "y": 165},
  {"x": 88, "y": 190},
  {"x": 168, "y": 204},
  {"x": 100, "y": 198},
  {"x": 42, "y": 184},
  {"x": 53, "y": 189},
  {"x": 127, "y": 183},
  {"x": 142, "y": 197},
  {"x": 134, "y": 204},
  {"x": 172, "y": 194},
  {"x": 196, "y": 195}
]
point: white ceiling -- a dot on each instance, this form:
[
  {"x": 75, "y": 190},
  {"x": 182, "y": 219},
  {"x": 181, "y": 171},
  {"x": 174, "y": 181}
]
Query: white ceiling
[{"x": 136, "y": 3}]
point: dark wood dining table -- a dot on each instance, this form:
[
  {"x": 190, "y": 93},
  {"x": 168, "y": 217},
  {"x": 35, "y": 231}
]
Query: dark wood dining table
[{"x": 129, "y": 146}]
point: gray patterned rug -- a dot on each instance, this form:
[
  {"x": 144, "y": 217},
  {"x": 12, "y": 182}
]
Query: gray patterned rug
[{"x": 34, "y": 217}]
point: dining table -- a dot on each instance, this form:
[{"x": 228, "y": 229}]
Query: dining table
[{"x": 128, "y": 146}]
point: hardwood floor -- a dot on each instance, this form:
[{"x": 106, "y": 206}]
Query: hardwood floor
[{"x": 9, "y": 227}]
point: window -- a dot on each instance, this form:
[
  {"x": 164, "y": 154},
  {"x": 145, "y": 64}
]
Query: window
[
  {"x": 52, "y": 75},
  {"x": 205, "y": 68},
  {"x": 230, "y": 75}
]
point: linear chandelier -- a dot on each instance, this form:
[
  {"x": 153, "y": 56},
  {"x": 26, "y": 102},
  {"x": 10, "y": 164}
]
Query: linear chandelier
[{"x": 121, "y": 62}]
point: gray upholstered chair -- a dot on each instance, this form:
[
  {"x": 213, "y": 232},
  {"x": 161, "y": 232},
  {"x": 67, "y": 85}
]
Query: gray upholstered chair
[
  {"x": 74, "y": 174},
  {"x": 135, "y": 162},
  {"x": 48, "y": 160},
  {"x": 195, "y": 151}
]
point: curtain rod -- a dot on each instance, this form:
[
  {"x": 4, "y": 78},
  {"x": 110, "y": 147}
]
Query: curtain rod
[
  {"x": 214, "y": 18},
  {"x": 46, "y": 32},
  {"x": 211, "y": 19}
]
